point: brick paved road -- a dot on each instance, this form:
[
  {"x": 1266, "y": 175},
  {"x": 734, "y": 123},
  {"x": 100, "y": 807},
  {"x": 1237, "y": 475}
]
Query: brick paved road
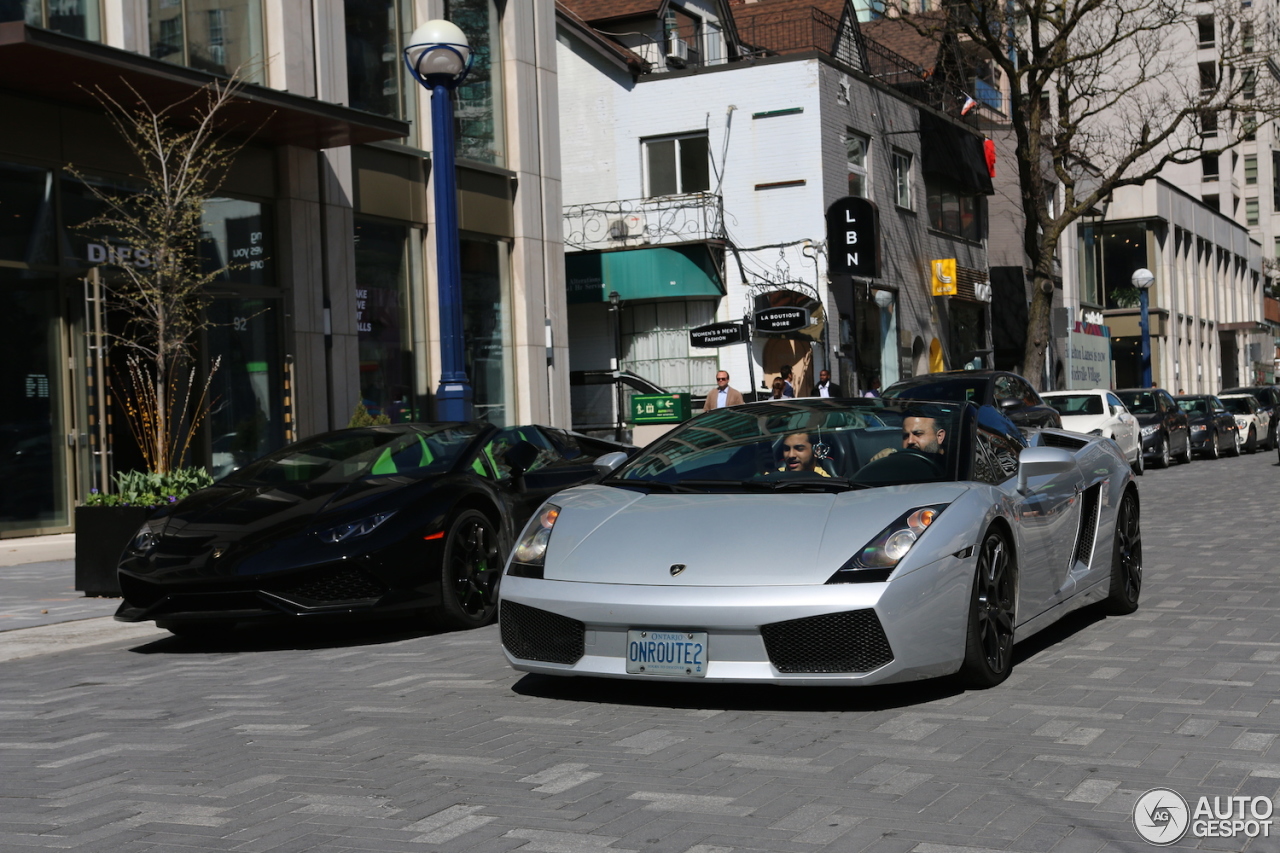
[{"x": 428, "y": 742}]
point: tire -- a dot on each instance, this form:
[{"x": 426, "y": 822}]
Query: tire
[
  {"x": 1251, "y": 444},
  {"x": 1235, "y": 444},
  {"x": 1211, "y": 447},
  {"x": 1126, "y": 559},
  {"x": 988, "y": 653},
  {"x": 1163, "y": 459},
  {"x": 1139, "y": 464},
  {"x": 469, "y": 571},
  {"x": 1185, "y": 456}
]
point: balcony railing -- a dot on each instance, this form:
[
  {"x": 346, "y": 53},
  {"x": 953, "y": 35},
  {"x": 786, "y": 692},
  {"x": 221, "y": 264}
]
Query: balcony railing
[
  {"x": 925, "y": 86},
  {"x": 631, "y": 222}
]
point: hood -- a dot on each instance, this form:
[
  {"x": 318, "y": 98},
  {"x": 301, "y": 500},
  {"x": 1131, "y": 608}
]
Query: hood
[
  {"x": 1086, "y": 423},
  {"x": 610, "y": 535}
]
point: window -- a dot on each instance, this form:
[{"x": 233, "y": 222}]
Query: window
[
  {"x": 1251, "y": 169},
  {"x": 1249, "y": 127},
  {"x": 1209, "y": 123},
  {"x": 677, "y": 165},
  {"x": 221, "y": 40},
  {"x": 954, "y": 211},
  {"x": 1249, "y": 84},
  {"x": 373, "y": 41},
  {"x": 902, "y": 178},
  {"x": 1246, "y": 36},
  {"x": 1251, "y": 211},
  {"x": 478, "y": 109},
  {"x": 1211, "y": 201},
  {"x": 1209, "y": 167},
  {"x": 80, "y": 18},
  {"x": 1276, "y": 249},
  {"x": 1208, "y": 76},
  {"x": 1204, "y": 27},
  {"x": 856, "y": 147}
]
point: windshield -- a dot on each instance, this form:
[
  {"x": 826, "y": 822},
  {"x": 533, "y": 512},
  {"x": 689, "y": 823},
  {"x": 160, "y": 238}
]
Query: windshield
[
  {"x": 1075, "y": 404},
  {"x": 350, "y": 454},
  {"x": 959, "y": 389},
  {"x": 811, "y": 444},
  {"x": 1139, "y": 402},
  {"x": 1237, "y": 405},
  {"x": 1194, "y": 407}
]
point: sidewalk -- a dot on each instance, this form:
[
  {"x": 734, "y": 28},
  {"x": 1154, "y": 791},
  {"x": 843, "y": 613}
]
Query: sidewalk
[{"x": 37, "y": 592}]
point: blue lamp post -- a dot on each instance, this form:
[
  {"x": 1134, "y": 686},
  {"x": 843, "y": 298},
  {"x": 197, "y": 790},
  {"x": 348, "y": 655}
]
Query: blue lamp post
[
  {"x": 439, "y": 58},
  {"x": 1143, "y": 279}
]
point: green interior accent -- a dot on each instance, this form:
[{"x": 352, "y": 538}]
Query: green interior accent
[
  {"x": 255, "y": 367},
  {"x": 385, "y": 464},
  {"x": 427, "y": 456},
  {"x": 676, "y": 272}
]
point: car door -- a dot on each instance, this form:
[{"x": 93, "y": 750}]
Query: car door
[
  {"x": 1175, "y": 420},
  {"x": 1126, "y": 425}
]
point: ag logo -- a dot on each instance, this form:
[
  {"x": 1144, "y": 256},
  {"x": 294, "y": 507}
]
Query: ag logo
[{"x": 1161, "y": 816}]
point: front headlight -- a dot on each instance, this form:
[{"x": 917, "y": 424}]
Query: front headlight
[
  {"x": 877, "y": 559},
  {"x": 531, "y": 551},
  {"x": 147, "y": 537},
  {"x": 1095, "y": 432},
  {"x": 1198, "y": 427},
  {"x": 1149, "y": 431},
  {"x": 355, "y": 529},
  {"x": 1242, "y": 422}
]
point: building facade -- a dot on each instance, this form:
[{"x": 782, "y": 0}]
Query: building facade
[{"x": 326, "y": 211}]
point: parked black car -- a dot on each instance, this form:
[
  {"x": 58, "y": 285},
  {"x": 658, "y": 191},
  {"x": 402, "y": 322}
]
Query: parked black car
[
  {"x": 1010, "y": 393},
  {"x": 1268, "y": 397},
  {"x": 1213, "y": 429},
  {"x": 1166, "y": 434},
  {"x": 352, "y": 523}
]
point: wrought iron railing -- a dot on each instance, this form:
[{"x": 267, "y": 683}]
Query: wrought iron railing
[
  {"x": 926, "y": 85},
  {"x": 629, "y": 222}
]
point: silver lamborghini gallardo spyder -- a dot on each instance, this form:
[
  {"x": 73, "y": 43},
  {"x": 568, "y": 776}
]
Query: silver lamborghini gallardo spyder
[{"x": 823, "y": 541}]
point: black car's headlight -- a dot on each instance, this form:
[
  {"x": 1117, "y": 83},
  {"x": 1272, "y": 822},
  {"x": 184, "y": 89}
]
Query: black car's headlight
[
  {"x": 1149, "y": 431},
  {"x": 876, "y": 560},
  {"x": 147, "y": 537},
  {"x": 531, "y": 551},
  {"x": 1198, "y": 427},
  {"x": 355, "y": 529}
]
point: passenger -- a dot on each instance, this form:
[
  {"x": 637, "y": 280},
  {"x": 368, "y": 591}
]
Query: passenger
[{"x": 798, "y": 454}]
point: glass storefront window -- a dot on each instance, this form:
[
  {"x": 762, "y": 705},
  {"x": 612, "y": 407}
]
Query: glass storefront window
[
  {"x": 486, "y": 321},
  {"x": 219, "y": 36},
  {"x": 238, "y": 234},
  {"x": 26, "y": 226},
  {"x": 478, "y": 111},
  {"x": 1124, "y": 249},
  {"x": 32, "y": 454},
  {"x": 79, "y": 18},
  {"x": 384, "y": 321},
  {"x": 246, "y": 419}
]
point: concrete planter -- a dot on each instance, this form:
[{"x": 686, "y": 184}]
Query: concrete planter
[{"x": 102, "y": 532}]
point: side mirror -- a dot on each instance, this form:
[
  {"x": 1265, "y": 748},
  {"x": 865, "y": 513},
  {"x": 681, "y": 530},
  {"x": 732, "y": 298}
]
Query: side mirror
[
  {"x": 1009, "y": 403},
  {"x": 520, "y": 457},
  {"x": 1041, "y": 461},
  {"x": 609, "y": 462}
]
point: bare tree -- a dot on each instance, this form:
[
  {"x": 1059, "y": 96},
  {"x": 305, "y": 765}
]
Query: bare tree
[
  {"x": 159, "y": 281},
  {"x": 1106, "y": 94}
]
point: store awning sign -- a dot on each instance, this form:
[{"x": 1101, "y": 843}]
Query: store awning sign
[
  {"x": 717, "y": 335},
  {"x": 853, "y": 237},
  {"x": 784, "y": 319}
]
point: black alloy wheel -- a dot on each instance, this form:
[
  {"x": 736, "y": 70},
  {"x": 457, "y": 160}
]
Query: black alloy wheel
[
  {"x": 1251, "y": 444},
  {"x": 1126, "y": 559},
  {"x": 470, "y": 571},
  {"x": 1211, "y": 447},
  {"x": 988, "y": 655}
]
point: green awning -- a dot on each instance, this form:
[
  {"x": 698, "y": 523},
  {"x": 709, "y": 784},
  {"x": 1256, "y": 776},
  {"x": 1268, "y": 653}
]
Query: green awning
[{"x": 676, "y": 272}]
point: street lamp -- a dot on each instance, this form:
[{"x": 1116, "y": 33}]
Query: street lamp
[
  {"x": 1143, "y": 279},
  {"x": 439, "y": 58}
]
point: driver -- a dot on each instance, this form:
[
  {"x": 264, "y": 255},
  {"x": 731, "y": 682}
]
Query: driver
[
  {"x": 798, "y": 455},
  {"x": 919, "y": 432}
]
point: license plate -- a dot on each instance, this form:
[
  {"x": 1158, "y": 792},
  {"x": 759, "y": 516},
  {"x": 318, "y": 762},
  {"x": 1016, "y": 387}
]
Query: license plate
[{"x": 682, "y": 653}]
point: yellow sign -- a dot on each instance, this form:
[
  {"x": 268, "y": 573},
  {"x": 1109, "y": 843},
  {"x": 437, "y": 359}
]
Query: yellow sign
[{"x": 943, "y": 275}]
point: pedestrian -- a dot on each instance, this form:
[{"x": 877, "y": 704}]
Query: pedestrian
[
  {"x": 788, "y": 390},
  {"x": 779, "y": 389},
  {"x": 825, "y": 387},
  {"x": 874, "y": 390},
  {"x": 722, "y": 395}
]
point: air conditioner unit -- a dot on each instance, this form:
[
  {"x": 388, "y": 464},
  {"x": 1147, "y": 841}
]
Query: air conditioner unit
[
  {"x": 627, "y": 227},
  {"x": 678, "y": 50}
]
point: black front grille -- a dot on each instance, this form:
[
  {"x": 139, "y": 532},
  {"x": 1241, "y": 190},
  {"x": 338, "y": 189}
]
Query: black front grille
[
  {"x": 533, "y": 634},
  {"x": 341, "y": 583},
  {"x": 852, "y": 641},
  {"x": 1088, "y": 524}
]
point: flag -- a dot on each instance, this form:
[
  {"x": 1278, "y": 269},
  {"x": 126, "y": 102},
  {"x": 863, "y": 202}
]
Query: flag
[
  {"x": 969, "y": 104},
  {"x": 989, "y": 151}
]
